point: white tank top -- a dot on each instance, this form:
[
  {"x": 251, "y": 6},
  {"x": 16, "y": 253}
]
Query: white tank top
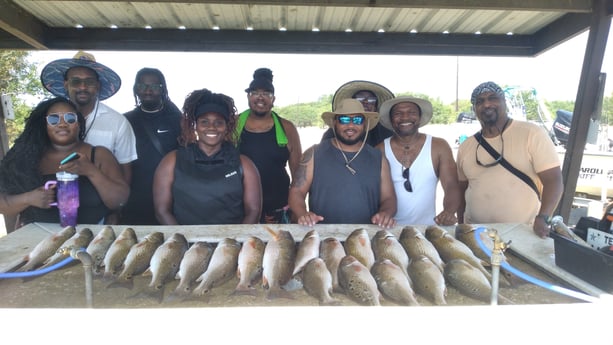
[{"x": 417, "y": 207}]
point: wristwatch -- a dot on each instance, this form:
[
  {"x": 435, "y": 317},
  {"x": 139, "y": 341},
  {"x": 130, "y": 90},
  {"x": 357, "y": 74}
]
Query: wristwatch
[{"x": 545, "y": 217}]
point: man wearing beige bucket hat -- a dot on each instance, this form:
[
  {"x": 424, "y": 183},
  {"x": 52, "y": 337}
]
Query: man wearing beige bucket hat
[
  {"x": 417, "y": 162},
  {"x": 371, "y": 95},
  {"x": 87, "y": 82},
  {"x": 347, "y": 181}
]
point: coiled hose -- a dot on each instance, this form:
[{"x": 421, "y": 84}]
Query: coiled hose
[{"x": 531, "y": 279}]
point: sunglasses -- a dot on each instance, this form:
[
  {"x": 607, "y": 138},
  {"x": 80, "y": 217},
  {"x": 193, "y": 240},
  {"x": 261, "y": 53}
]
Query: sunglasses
[
  {"x": 345, "y": 120},
  {"x": 152, "y": 87},
  {"x": 265, "y": 94},
  {"x": 69, "y": 118},
  {"x": 88, "y": 82},
  {"x": 488, "y": 165},
  {"x": 407, "y": 183},
  {"x": 367, "y": 99}
]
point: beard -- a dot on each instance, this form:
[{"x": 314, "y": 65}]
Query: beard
[
  {"x": 346, "y": 141},
  {"x": 259, "y": 113}
]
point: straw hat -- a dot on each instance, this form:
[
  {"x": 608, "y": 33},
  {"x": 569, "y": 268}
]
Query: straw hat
[
  {"x": 349, "y": 89},
  {"x": 386, "y": 107},
  {"x": 52, "y": 76},
  {"x": 350, "y": 106}
]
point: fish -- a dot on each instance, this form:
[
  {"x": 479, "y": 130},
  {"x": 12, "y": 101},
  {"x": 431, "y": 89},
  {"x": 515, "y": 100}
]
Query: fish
[
  {"x": 450, "y": 248},
  {"x": 222, "y": 267},
  {"x": 465, "y": 233},
  {"x": 307, "y": 250},
  {"x": 278, "y": 263},
  {"x": 138, "y": 259},
  {"x": 317, "y": 281},
  {"x": 79, "y": 240},
  {"x": 117, "y": 252},
  {"x": 331, "y": 251},
  {"x": 249, "y": 271},
  {"x": 357, "y": 282},
  {"x": 386, "y": 246},
  {"x": 46, "y": 248},
  {"x": 393, "y": 282},
  {"x": 195, "y": 261},
  {"x": 358, "y": 245},
  {"x": 164, "y": 265},
  {"x": 99, "y": 246},
  {"x": 428, "y": 280},
  {"x": 416, "y": 244},
  {"x": 470, "y": 281}
]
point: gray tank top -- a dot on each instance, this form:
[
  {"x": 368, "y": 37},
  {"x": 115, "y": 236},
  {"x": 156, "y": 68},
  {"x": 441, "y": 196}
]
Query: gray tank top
[{"x": 339, "y": 196}]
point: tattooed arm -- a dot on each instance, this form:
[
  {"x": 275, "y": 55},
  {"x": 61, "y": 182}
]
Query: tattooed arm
[{"x": 301, "y": 184}]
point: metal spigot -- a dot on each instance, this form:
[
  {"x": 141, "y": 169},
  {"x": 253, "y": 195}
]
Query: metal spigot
[
  {"x": 87, "y": 262},
  {"x": 496, "y": 260}
]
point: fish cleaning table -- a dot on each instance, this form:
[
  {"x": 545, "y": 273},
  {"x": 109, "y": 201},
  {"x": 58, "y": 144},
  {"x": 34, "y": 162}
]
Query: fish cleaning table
[{"x": 538, "y": 253}]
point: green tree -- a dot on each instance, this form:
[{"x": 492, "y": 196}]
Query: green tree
[{"x": 18, "y": 78}]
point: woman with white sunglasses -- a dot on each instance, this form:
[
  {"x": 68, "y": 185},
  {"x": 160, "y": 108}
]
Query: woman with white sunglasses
[{"x": 53, "y": 131}]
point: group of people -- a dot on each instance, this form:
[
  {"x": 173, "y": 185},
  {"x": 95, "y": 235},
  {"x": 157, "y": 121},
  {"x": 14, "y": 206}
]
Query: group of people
[{"x": 208, "y": 164}]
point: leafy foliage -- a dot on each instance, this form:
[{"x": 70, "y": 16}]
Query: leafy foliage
[{"x": 18, "y": 77}]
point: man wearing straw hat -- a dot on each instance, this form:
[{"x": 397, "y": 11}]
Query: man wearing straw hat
[
  {"x": 417, "y": 162},
  {"x": 87, "y": 82},
  {"x": 347, "y": 181},
  {"x": 371, "y": 95}
]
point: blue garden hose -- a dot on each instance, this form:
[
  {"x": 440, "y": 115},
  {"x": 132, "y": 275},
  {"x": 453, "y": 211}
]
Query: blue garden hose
[
  {"x": 529, "y": 278},
  {"x": 36, "y": 272}
]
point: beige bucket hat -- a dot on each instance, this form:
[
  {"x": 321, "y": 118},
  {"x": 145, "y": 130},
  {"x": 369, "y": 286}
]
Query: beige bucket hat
[{"x": 351, "y": 106}]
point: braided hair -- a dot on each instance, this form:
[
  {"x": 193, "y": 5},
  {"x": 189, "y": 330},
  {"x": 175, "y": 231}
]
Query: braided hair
[
  {"x": 189, "y": 116},
  {"x": 156, "y": 72},
  {"x": 19, "y": 170}
]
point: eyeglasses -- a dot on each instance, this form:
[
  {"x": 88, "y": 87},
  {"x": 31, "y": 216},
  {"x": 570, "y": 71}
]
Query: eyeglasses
[
  {"x": 54, "y": 119},
  {"x": 88, "y": 82},
  {"x": 265, "y": 94},
  {"x": 494, "y": 162},
  {"x": 152, "y": 87},
  {"x": 345, "y": 119},
  {"x": 407, "y": 183},
  {"x": 367, "y": 99}
]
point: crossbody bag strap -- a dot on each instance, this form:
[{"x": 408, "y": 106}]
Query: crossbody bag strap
[
  {"x": 149, "y": 130},
  {"x": 507, "y": 165}
]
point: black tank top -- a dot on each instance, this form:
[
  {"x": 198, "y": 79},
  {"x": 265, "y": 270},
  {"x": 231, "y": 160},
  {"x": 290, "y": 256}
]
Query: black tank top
[
  {"x": 270, "y": 159},
  {"x": 208, "y": 190},
  {"x": 91, "y": 207}
]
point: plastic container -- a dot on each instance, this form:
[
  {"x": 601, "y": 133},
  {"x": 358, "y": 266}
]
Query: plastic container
[{"x": 586, "y": 263}]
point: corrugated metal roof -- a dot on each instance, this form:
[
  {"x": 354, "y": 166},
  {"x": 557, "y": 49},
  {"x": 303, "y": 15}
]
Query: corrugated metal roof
[
  {"x": 171, "y": 15},
  {"x": 190, "y": 25}
]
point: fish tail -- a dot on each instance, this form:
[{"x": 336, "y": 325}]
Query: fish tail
[
  {"x": 125, "y": 283},
  {"x": 330, "y": 302},
  {"x": 274, "y": 234},
  {"x": 243, "y": 290},
  {"x": 274, "y": 293}
]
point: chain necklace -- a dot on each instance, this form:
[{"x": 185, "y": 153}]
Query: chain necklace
[
  {"x": 348, "y": 161},
  {"x": 152, "y": 111}
]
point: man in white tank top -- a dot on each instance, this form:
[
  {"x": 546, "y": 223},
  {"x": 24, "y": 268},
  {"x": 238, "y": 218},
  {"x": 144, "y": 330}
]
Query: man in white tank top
[{"x": 417, "y": 162}]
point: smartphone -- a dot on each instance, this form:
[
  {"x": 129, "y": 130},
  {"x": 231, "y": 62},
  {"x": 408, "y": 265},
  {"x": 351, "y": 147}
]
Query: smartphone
[{"x": 70, "y": 158}]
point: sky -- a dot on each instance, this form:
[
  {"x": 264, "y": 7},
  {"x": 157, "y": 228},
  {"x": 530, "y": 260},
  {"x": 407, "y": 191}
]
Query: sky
[{"x": 300, "y": 78}]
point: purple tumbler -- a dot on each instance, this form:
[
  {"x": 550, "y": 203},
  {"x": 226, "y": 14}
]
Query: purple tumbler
[{"x": 67, "y": 197}]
